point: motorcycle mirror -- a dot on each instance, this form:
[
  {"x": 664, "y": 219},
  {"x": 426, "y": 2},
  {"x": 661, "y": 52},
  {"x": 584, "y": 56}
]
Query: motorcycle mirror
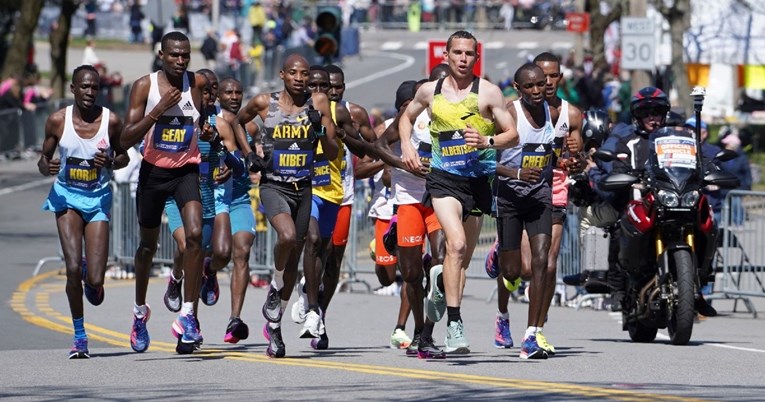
[
  {"x": 604, "y": 155},
  {"x": 725, "y": 155},
  {"x": 618, "y": 181},
  {"x": 722, "y": 179}
]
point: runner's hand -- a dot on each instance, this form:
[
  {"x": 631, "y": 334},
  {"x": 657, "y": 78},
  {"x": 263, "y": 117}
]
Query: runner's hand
[
  {"x": 224, "y": 173},
  {"x": 102, "y": 159},
  {"x": 473, "y": 138},
  {"x": 572, "y": 144},
  {"x": 410, "y": 158},
  {"x": 54, "y": 165},
  {"x": 531, "y": 175},
  {"x": 171, "y": 98}
]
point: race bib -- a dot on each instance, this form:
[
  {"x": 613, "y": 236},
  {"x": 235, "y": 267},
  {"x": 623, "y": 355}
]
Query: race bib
[
  {"x": 320, "y": 171},
  {"x": 173, "y": 133},
  {"x": 290, "y": 161},
  {"x": 455, "y": 153},
  {"x": 81, "y": 173},
  {"x": 536, "y": 156}
]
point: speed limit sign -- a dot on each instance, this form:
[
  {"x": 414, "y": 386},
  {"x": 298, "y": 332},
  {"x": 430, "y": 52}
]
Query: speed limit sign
[{"x": 638, "y": 44}]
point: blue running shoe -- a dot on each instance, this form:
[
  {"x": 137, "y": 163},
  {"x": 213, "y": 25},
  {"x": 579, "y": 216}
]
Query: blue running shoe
[
  {"x": 95, "y": 295},
  {"x": 530, "y": 349},
  {"x": 492, "y": 261},
  {"x": 185, "y": 327},
  {"x": 210, "y": 290},
  {"x": 79, "y": 349},
  {"x": 502, "y": 336},
  {"x": 139, "y": 336}
]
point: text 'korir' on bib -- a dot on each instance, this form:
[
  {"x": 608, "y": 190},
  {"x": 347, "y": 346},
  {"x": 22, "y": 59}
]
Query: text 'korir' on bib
[{"x": 81, "y": 173}]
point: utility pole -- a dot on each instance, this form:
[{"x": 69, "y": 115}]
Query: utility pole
[
  {"x": 640, "y": 78},
  {"x": 579, "y": 41}
]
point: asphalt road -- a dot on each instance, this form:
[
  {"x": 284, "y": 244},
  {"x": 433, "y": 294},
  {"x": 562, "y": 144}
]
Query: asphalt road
[{"x": 595, "y": 360}]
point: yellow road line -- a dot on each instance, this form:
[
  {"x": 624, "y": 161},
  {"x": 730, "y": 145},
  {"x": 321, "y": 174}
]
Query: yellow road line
[{"x": 122, "y": 340}]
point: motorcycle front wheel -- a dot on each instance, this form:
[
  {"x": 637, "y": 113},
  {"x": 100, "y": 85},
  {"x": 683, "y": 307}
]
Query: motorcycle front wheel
[{"x": 680, "y": 321}]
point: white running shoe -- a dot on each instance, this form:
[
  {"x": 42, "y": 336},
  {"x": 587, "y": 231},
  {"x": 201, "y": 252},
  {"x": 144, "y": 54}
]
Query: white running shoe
[
  {"x": 455, "y": 341},
  {"x": 399, "y": 339},
  {"x": 313, "y": 326},
  {"x": 299, "y": 306},
  {"x": 435, "y": 300}
]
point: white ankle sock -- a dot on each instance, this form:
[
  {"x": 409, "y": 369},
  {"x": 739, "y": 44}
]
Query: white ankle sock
[
  {"x": 139, "y": 311},
  {"x": 504, "y": 316},
  {"x": 530, "y": 331},
  {"x": 278, "y": 281},
  {"x": 187, "y": 308}
]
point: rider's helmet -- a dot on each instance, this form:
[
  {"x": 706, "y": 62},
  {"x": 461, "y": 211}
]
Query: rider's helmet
[
  {"x": 596, "y": 128},
  {"x": 649, "y": 100}
]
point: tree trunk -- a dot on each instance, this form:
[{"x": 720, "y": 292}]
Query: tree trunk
[
  {"x": 679, "y": 23},
  {"x": 59, "y": 43},
  {"x": 598, "y": 25},
  {"x": 26, "y": 23}
]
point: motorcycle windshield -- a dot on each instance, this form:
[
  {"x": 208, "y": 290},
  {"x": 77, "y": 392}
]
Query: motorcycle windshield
[{"x": 674, "y": 153}]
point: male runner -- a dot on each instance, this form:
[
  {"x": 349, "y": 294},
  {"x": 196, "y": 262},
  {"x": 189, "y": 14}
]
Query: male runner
[
  {"x": 88, "y": 140},
  {"x": 164, "y": 111},
  {"x": 294, "y": 122},
  {"x": 461, "y": 106},
  {"x": 523, "y": 194}
]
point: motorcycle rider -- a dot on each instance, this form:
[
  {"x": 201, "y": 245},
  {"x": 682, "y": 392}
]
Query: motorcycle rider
[{"x": 649, "y": 108}]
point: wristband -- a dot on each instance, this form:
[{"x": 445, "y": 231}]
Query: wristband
[
  {"x": 518, "y": 174},
  {"x": 156, "y": 119}
]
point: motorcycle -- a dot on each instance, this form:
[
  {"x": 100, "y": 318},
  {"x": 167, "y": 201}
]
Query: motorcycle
[{"x": 667, "y": 233}]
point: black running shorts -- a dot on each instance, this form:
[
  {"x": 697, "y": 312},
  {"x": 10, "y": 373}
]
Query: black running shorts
[
  {"x": 474, "y": 193},
  {"x": 288, "y": 198},
  {"x": 156, "y": 185}
]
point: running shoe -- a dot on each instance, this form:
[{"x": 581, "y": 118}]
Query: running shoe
[
  {"x": 173, "y": 294},
  {"x": 299, "y": 306},
  {"x": 210, "y": 290},
  {"x": 185, "y": 327},
  {"x": 275, "y": 342},
  {"x": 492, "y": 261},
  {"x": 530, "y": 349},
  {"x": 427, "y": 349},
  {"x": 272, "y": 308},
  {"x": 502, "y": 336},
  {"x": 435, "y": 301},
  {"x": 399, "y": 339},
  {"x": 313, "y": 326},
  {"x": 322, "y": 343},
  {"x": 542, "y": 342},
  {"x": 236, "y": 331},
  {"x": 412, "y": 349},
  {"x": 702, "y": 307},
  {"x": 139, "y": 336},
  {"x": 455, "y": 341},
  {"x": 79, "y": 349},
  {"x": 512, "y": 286}
]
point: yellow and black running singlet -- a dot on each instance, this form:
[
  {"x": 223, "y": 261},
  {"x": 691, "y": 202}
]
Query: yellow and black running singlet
[
  {"x": 327, "y": 175},
  {"x": 449, "y": 119}
]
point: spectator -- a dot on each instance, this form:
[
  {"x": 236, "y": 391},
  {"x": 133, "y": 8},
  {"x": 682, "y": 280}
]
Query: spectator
[
  {"x": 90, "y": 18},
  {"x": 181, "y": 19},
  {"x": 209, "y": 49},
  {"x": 89, "y": 54},
  {"x": 257, "y": 18},
  {"x": 507, "y": 11},
  {"x": 740, "y": 168},
  {"x": 136, "y": 16}
]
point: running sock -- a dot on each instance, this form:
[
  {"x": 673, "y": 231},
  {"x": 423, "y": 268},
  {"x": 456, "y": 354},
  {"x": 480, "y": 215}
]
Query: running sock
[
  {"x": 140, "y": 311},
  {"x": 427, "y": 330},
  {"x": 278, "y": 281},
  {"x": 504, "y": 316},
  {"x": 274, "y": 325},
  {"x": 401, "y": 327},
  {"x": 79, "y": 328},
  {"x": 453, "y": 313},
  {"x": 187, "y": 308},
  {"x": 530, "y": 331},
  {"x": 440, "y": 282}
]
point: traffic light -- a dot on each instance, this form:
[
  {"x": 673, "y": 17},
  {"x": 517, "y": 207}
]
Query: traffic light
[{"x": 329, "y": 23}]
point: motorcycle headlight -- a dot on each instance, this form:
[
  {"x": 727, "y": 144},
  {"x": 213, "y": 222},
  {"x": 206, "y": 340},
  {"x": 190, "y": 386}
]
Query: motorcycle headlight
[
  {"x": 689, "y": 199},
  {"x": 669, "y": 198}
]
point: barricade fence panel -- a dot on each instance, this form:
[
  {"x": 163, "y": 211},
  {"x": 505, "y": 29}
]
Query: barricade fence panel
[{"x": 741, "y": 248}]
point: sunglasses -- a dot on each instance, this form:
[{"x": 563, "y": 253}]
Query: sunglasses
[{"x": 652, "y": 111}]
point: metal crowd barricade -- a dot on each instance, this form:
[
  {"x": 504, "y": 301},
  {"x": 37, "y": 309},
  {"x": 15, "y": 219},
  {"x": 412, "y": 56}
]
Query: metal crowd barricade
[
  {"x": 741, "y": 257},
  {"x": 10, "y": 130}
]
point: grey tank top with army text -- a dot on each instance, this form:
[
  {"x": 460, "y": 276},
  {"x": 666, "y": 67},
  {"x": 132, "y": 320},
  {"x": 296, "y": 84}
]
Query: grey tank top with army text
[{"x": 288, "y": 144}]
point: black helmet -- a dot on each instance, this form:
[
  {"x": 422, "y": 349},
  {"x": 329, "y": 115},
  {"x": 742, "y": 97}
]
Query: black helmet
[
  {"x": 649, "y": 97},
  {"x": 595, "y": 128}
]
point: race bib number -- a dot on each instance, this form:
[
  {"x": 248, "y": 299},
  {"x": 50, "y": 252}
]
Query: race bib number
[
  {"x": 289, "y": 160},
  {"x": 455, "y": 153},
  {"x": 173, "y": 133},
  {"x": 536, "y": 156},
  {"x": 81, "y": 173},
  {"x": 321, "y": 175},
  {"x": 676, "y": 152}
]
